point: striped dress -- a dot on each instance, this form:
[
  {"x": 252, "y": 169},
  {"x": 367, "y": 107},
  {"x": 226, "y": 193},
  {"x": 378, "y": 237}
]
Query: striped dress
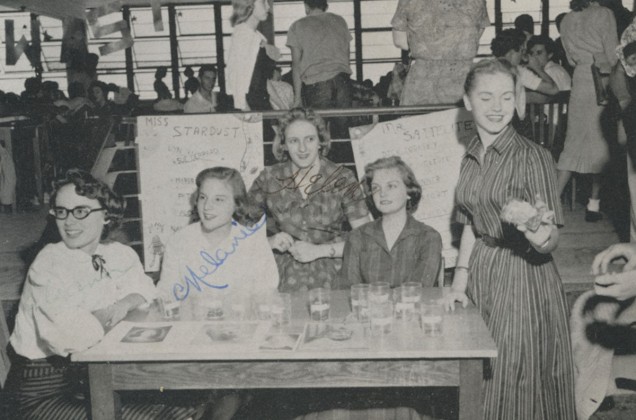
[
  {"x": 54, "y": 389},
  {"x": 517, "y": 290}
]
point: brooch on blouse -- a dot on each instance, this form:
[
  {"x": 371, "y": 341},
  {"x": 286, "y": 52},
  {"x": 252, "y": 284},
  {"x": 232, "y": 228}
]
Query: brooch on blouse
[{"x": 98, "y": 264}]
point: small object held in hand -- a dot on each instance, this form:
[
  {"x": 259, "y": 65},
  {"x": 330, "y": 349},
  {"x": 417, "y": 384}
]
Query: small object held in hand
[{"x": 518, "y": 212}]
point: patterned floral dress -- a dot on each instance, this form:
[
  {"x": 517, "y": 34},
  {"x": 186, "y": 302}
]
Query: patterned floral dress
[
  {"x": 334, "y": 198},
  {"x": 443, "y": 37},
  {"x": 517, "y": 290}
]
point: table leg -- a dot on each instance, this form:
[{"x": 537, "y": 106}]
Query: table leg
[
  {"x": 470, "y": 389},
  {"x": 105, "y": 404}
]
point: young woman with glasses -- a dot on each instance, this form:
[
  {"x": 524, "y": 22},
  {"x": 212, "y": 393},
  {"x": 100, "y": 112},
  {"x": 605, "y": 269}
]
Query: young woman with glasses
[{"x": 76, "y": 290}]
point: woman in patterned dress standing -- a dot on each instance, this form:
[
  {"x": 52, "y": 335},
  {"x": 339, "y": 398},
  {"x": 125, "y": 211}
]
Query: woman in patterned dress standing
[{"x": 507, "y": 270}]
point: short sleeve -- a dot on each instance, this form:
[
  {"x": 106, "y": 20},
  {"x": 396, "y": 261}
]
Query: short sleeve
[
  {"x": 292, "y": 38},
  {"x": 462, "y": 215},
  {"x": 529, "y": 80},
  {"x": 400, "y": 18},
  {"x": 353, "y": 200},
  {"x": 258, "y": 190},
  {"x": 541, "y": 178}
]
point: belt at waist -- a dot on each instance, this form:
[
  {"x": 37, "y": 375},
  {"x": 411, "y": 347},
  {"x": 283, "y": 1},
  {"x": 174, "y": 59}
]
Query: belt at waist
[{"x": 493, "y": 242}]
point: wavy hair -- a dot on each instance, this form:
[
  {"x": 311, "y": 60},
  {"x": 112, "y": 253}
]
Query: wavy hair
[
  {"x": 241, "y": 11},
  {"x": 246, "y": 212},
  {"x": 489, "y": 66},
  {"x": 507, "y": 40},
  {"x": 88, "y": 186},
  {"x": 413, "y": 188},
  {"x": 300, "y": 114}
]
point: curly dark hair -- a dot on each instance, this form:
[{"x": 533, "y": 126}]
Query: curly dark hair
[
  {"x": 578, "y": 5},
  {"x": 413, "y": 188},
  {"x": 317, "y": 4},
  {"x": 88, "y": 186},
  {"x": 300, "y": 114},
  {"x": 246, "y": 212},
  {"x": 509, "y": 39},
  {"x": 544, "y": 40}
]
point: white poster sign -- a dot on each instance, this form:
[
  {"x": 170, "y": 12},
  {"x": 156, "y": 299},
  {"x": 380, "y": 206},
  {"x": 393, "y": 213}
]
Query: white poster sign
[
  {"x": 173, "y": 149},
  {"x": 433, "y": 146}
]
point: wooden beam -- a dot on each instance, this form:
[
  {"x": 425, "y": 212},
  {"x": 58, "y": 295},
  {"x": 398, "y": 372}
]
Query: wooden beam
[{"x": 174, "y": 50}]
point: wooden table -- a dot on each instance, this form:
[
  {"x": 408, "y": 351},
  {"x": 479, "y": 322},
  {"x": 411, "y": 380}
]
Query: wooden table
[{"x": 404, "y": 358}]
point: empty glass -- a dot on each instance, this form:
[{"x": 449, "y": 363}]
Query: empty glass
[
  {"x": 381, "y": 317},
  {"x": 281, "y": 310},
  {"x": 170, "y": 309},
  {"x": 432, "y": 315},
  {"x": 379, "y": 292},
  {"x": 360, "y": 302}
]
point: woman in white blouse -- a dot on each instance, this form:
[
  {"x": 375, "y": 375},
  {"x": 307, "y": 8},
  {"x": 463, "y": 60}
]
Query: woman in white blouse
[{"x": 76, "y": 290}]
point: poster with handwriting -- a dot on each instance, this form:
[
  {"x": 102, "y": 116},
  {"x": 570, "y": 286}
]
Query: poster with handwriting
[
  {"x": 173, "y": 149},
  {"x": 433, "y": 146}
]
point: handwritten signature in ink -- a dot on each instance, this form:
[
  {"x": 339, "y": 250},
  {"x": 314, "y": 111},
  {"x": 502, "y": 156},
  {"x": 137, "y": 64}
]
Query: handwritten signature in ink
[
  {"x": 212, "y": 263},
  {"x": 334, "y": 182}
]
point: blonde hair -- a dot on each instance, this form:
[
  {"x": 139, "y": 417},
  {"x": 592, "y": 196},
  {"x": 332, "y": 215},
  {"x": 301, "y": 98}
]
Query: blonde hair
[
  {"x": 300, "y": 114},
  {"x": 241, "y": 10}
]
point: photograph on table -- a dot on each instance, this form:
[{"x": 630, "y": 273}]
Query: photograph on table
[{"x": 146, "y": 335}]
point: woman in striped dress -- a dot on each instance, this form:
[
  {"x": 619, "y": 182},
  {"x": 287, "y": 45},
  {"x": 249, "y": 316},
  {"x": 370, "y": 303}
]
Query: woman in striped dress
[
  {"x": 76, "y": 290},
  {"x": 507, "y": 270}
]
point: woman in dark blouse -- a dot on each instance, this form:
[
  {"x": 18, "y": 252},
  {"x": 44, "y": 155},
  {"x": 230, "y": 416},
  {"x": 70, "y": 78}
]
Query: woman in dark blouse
[
  {"x": 310, "y": 203},
  {"x": 506, "y": 269},
  {"x": 395, "y": 248}
]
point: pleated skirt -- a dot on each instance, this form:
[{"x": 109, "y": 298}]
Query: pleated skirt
[{"x": 524, "y": 307}]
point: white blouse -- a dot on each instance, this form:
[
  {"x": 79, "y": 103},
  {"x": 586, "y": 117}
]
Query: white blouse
[
  {"x": 243, "y": 261},
  {"x": 63, "y": 287}
]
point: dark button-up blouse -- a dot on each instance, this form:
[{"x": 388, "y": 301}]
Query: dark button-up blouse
[
  {"x": 415, "y": 256},
  {"x": 334, "y": 198}
]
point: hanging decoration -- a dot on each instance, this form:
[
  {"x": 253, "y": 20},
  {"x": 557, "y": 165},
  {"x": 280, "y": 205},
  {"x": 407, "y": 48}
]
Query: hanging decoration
[
  {"x": 120, "y": 26},
  {"x": 156, "y": 15},
  {"x": 13, "y": 50}
]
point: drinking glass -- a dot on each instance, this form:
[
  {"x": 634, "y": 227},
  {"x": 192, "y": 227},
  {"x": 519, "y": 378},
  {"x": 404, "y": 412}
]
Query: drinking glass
[
  {"x": 170, "y": 309},
  {"x": 281, "y": 310},
  {"x": 381, "y": 317},
  {"x": 360, "y": 302},
  {"x": 432, "y": 315},
  {"x": 379, "y": 292},
  {"x": 319, "y": 304}
]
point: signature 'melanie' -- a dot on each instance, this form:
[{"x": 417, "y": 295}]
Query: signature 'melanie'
[{"x": 211, "y": 263}]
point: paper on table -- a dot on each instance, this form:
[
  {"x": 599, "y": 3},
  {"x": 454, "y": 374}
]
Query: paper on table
[{"x": 321, "y": 336}]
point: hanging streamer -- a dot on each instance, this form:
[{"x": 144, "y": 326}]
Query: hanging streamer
[
  {"x": 120, "y": 26},
  {"x": 156, "y": 15},
  {"x": 13, "y": 50}
]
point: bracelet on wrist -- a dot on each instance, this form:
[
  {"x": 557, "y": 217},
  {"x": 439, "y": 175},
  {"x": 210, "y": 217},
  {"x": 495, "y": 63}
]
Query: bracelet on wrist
[
  {"x": 332, "y": 251},
  {"x": 461, "y": 267}
]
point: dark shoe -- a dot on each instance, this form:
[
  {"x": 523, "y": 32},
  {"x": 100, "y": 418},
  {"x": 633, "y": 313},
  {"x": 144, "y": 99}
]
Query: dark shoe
[{"x": 592, "y": 216}]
